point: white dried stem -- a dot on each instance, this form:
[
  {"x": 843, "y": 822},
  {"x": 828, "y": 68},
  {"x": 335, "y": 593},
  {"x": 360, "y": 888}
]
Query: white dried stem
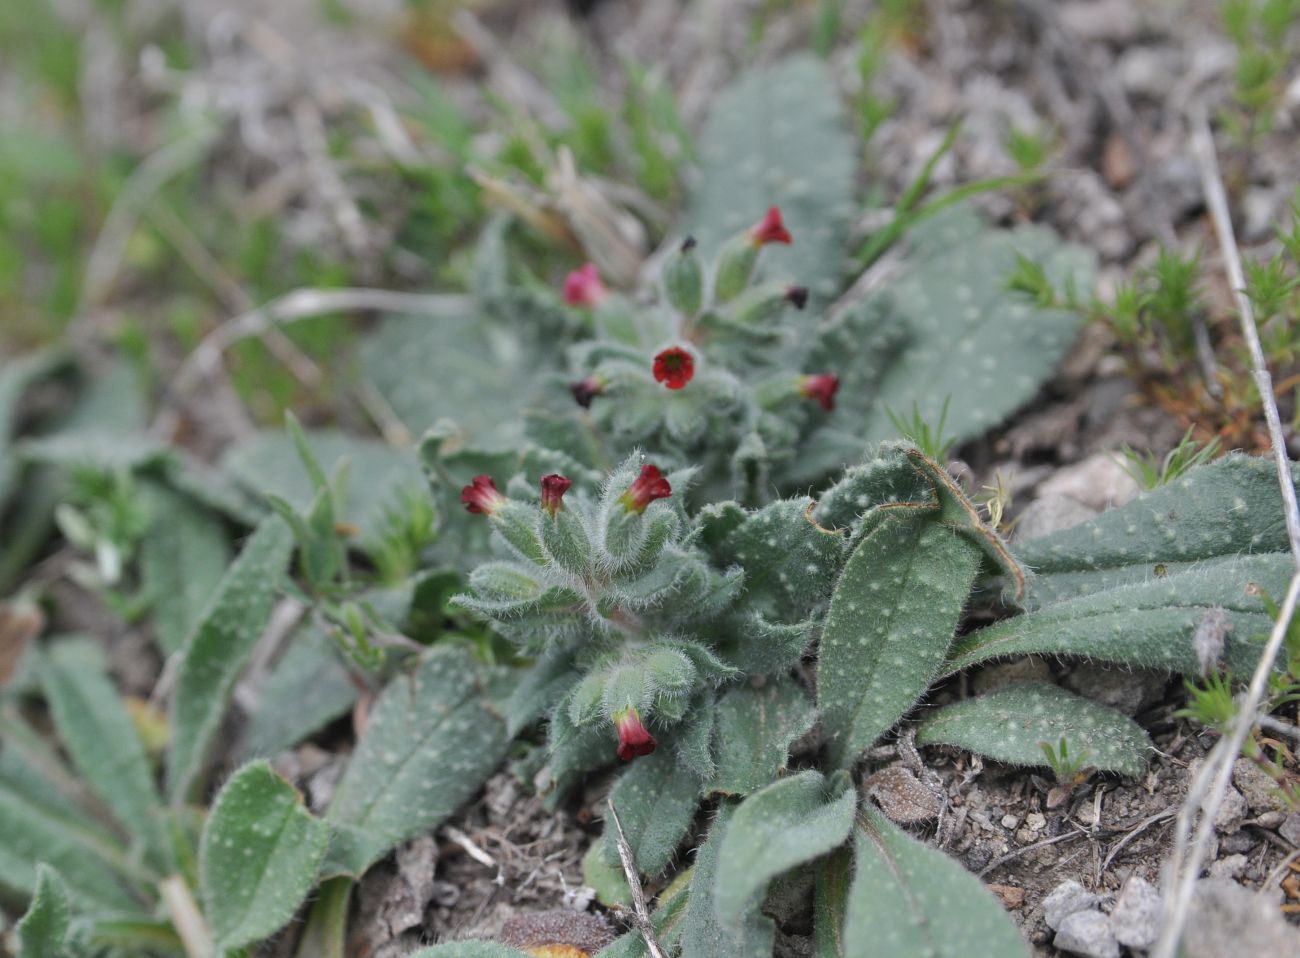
[
  {"x": 1209, "y": 786},
  {"x": 639, "y": 907},
  {"x": 186, "y": 917}
]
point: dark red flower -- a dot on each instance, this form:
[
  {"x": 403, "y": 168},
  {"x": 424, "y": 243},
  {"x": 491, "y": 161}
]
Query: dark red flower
[
  {"x": 554, "y": 487},
  {"x": 821, "y": 388},
  {"x": 797, "y": 296},
  {"x": 633, "y": 738},
  {"x": 649, "y": 486},
  {"x": 481, "y": 495},
  {"x": 770, "y": 229},
  {"x": 583, "y": 287},
  {"x": 585, "y": 390},
  {"x": 674, "y": 367}
]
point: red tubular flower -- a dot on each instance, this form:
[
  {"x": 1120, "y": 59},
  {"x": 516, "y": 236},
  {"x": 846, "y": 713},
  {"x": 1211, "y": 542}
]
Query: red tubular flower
[
  {"x": 554, "y": 487},
  {"x": 583, "y": 287},
  {"x": 821, "y": 388},
  {"x": 649, "y": 486},
  {"x": 481, "y": 496},
  {"x": 585, "y": 390},
  {"x": 674, "y": 367},
  {"x": 770, "y": 229},
  {"x": 633, "y": 738},
  {"x": 797, "y": 296}
]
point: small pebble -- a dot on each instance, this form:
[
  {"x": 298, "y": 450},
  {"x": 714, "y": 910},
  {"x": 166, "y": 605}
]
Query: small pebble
[
  {"x": 1136, "y": 916},
  {"x": 1290, "y": 828},
  {"x": 1065, "y": 899},
  {"x": 1230, "y": 866},
  {"x": 1231, "y": 813},
  {"x": 1089, "y": 933}
]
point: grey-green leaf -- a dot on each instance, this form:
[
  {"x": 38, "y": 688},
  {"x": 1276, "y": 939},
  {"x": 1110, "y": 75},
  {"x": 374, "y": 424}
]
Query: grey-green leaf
[
  {"x": 469, "y": 949},
  {"x": 42, "y": 932},
  {"x": 703, "y": 936},
  {"x": 790, "y": 822},
  {"x": 431, "y": 740},
  {"x": 778, "y": 137},
  {"x": 183, "y": 556},
  {"x": 1011, "y": 724},
  {"x": 1150, "y": 624},
  {"x": 218, "y": 648},
  {"x": 307, "y": 689},
  {"x": 102, "y": 741},
  {"x": 258, "y": 856},
  {"x": 909, "y": 899},
  {"x": 891, "y": 621},
  {"x": 753, "y": 733},
  {"x": 656, "y": 800}
]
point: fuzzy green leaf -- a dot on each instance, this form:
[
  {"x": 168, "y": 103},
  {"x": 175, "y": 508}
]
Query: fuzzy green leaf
[
  {"x": 183, "y": 556},
  {"x": 102, "y": 740},
  {"x": 830, "y": 901},
  {"x": 1150, "y": 624},
  {"x": 42, "y": 932},
  {"x": 753, "y": 733},
  {"x": 778, "y": 137},
  {"x": 85, "y": 857},
  {"x": 909, "y": 899},
  {"x": 1224, "y": 509},
  {"x": 469, "y": 949},
  {"x": 891, "y": 621},
  {"x": 258, "y": 857},
  {"x": 656, "y": 800},
  {"x": 217, "y": 649},
  {"x": 1011, "y": 725},
  {"x": 432, "y": 739},
  {"x": 307, "y": 689},
  {"x": 784, "y": 825},
  {"x": 703, "y": 936}
]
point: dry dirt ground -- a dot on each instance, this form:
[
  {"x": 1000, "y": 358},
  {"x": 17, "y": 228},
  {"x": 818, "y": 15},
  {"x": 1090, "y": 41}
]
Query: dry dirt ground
[{"x": 1110, "y": 81}]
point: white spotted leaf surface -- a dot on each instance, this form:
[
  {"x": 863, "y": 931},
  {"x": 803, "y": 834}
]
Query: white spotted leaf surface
[
  {"x": 789, "y": 822},
  {"x": 909, "y": 899},
  {"x": 702, "y": 935},
  {"x": 752, "y": 734},
  {"x": 258, "y": 856},
  {"x": 656, "y": 800},
  {"x": 890, "y": 624},
  {"x": 1011, "y": 725},
  {"x": 218, "y": 649},
  {"x": 430, "y": 742}
]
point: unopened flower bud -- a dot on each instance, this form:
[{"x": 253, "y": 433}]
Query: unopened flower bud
[
  {"x": 684, "y": 280},
  {"x": 585, "y": 390},
  {"x": 482, "y": 496},
  {"x": 583, "y": 287},
  {"x": 648, "y": 487},
  {"x": 554, "y": 487},
  {"x": 633, "y": 737},
  {"x": 821, "y": 388},
  {"x": 674, "y": 367},
  {"x": 763, "y": 304}
]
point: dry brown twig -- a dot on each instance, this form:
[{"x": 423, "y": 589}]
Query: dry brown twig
[
  {"x": 639, "y": 908},
  {"x": 1208, "y": 787}
]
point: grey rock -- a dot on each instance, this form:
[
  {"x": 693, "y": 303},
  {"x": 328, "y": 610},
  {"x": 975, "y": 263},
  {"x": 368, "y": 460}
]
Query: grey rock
[
  {"x": 1099, "y": 482},
  {"x": 1064, "y": 900},
  {"x": 1231, "y": 813},
  {"x": 1256, "y": 787},
  {"x": 902, "y": 796},
  {"x": 1241, "y": 842},
  {"x": 1227, "y": 919},
  {"x": 1148, "y": 71},
  {"x": 1136, "y": 916},
  {"x": 1230, "y": 866},
  {"x": 1089, "y": 933},
  {"x": 1128, "y": 690},
  {"x": 1260, "y": 211},
  {"x": 1290, "y": 828},
  {"x": 1048, "y": 514},
  {"x": 1001, "y": 675}
]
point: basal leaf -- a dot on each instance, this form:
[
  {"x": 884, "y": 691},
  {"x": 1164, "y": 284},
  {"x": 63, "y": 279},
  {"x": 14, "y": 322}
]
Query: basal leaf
[
  {"x": 753, "y": 732},
  {"x": 656, "y": 800},
  {"x": 42, "y": 932}
]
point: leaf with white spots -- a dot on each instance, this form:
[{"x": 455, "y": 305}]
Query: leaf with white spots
[
  {"x": 891, "y": 621},
  {"x": 656, "y": 800},
  {"x": 789, "y": 822},
  {"x": 258, "y": 857},
  {"x": 909, "y": 899},
  {"x": 430, "y": 742},
  {"x": 1149, "y": 624},
  {"x": 702, "y": 935},
  {"x": 952, "y": 332},
  {"x": 778, "y": 138},
  {"x": 1012, "y": 724},
  {"x": 217, "y": 649},
  {"x": 753, "y": 732},
  {"x": 1223, "y": 509}
]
